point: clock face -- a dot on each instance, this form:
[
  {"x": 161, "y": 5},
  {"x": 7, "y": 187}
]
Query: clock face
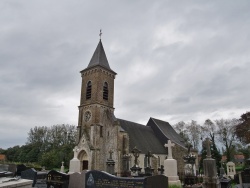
[{"x": 87, "y": 116}]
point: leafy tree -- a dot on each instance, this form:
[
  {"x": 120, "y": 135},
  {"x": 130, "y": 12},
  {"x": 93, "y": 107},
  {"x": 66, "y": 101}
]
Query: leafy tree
[
  {"x": 243, "y": 128},
  {"x": 215, "y": 154},
  {"x": 227, "y": 135},
  {"x": 47, "y": 145},
  {"x": 12, "y": 154}
]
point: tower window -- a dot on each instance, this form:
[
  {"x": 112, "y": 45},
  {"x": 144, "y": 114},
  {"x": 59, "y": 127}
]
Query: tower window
[
  {"x": 105, "y": 91},
  {"x": 88, "y": 90},
  {"x": 101, "y": 131}
]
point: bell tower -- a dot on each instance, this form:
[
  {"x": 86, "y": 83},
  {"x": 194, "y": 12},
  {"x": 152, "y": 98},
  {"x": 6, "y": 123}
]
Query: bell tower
[
  {"x": 97, "y": 90},
  {"x": 97, "y": 128}
]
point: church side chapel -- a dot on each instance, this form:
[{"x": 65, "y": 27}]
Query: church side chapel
[{"x": 104, "y": 140}]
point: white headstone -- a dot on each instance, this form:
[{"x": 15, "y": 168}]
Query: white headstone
[
  {"x": 231, "y": 169},
  {"x": 170, "y": 166},
  {"x": 75, "y": 150},
  {"x": 75, "y": 163},
  {"x": 62, "y": 168},
  {"x": 169, "y": 145}
]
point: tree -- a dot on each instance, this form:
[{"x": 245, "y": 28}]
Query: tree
[
  {"x": 243, "y": 128},
  {"x": 181, "y": 129},
  {"x": 227, "y": 135},
  {"x": 215, "y": 153},
  {"x": 194, "y": 131}
]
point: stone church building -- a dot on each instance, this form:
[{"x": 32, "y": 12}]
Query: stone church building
[{"x": 102, "y": 137}]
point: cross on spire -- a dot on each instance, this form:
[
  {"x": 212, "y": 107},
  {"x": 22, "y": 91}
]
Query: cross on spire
[
  {"x": 100, "y": 34},
  {"x": 169, "y": 145}
]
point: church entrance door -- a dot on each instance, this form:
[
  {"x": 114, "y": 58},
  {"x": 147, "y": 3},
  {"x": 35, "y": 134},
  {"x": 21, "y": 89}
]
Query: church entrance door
[
  {"x": 85, "y": 164},
  {"x": 83, "y": 157}
]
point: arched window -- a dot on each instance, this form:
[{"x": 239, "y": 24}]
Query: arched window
[
  {"x": 88, "y": 90},
  {"x": 105, "y": 91}
]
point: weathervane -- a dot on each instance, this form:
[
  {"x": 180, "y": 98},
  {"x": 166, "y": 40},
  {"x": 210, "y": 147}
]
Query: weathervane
[{"x": 100, "y": 34}]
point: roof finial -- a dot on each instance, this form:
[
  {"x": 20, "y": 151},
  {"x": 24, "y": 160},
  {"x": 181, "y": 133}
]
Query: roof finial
[{"x": 100, "y": 34}]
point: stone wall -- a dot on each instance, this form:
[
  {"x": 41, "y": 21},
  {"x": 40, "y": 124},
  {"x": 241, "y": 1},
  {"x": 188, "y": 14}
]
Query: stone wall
[{"x": 178, "y": 153}]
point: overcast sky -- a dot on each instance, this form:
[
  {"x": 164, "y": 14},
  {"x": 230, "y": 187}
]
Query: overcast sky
[{"x": 176, "y": 60}]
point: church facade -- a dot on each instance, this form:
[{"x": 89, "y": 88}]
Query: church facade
[{"x": 102, "y": 137}]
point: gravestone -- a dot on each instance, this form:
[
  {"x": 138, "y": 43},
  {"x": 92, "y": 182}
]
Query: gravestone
[
  {"x": 159, "y": 181},
  {"x": 126, "y": 159},
  {"x": 16, "y": 182},
  {"x": 231, "y": 169},
  {"x": 62, "y": 167},
  {"x": 170, "y": 166},
  {"x": 77, "y": 180},
  {"x": 136, "y": 170},
  {"x": 98, "y": 179},
  {"x": 13, "y": 168},
  {"x": 148, "y": 170},
  {"x": 190, "y": 177},
  {"x": 4, "y": 167},
  {"x": 110, "y": 163},
  {"x": 161, "y": 170},
  {"x": 20, "y": 168},
  {"x": 41, "y": 179},
  {"x": 75, "y": 163},
  {"x": 242, "y": 179},
  {"x": 4, "y": 171},
  {"x": 57, "y": 179},
  {"x": 29, "y": 174},
  {"x": 210, "y": 179}
]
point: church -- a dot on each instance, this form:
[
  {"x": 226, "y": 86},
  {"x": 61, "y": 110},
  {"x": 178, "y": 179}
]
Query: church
[{"x": 103, "y": 137}]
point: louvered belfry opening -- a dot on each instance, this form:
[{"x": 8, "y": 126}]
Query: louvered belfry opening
[
  {"x": 88, "y": 91},
  {"x": 105, "y": 91}
]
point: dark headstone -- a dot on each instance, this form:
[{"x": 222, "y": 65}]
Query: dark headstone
[
  {"x": 20, "y": 168},
  {"x": 245, "y": 175},
  {"x": 41, "y": 180},
  {"x": 57, "y": 179},
  {"x": 97, "y": 179},
  {"x": 159, "y": 181},
  {"x": 29, "y": 174},
  {"x": 225, "y": 183},
  {"x": 161, "y": 170}
]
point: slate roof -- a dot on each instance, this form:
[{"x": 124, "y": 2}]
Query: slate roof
[
  {"x": 143, "y": 137},
  {"x": 99, "y": 58},
  {"x": 165, "y": 132}
]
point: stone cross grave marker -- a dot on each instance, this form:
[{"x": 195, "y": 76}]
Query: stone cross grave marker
[
  {"x": 110, "y": 154},
  {"x": 148, "y": 156},
  {"x": 208, "y": 143},
  {"x": 136, "y": 152},
  {"x": 169, "y": 145},
  {"x": 75, "y": 150}
]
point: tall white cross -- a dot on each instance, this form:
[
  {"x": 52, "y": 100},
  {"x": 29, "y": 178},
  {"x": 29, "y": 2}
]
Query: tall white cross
[
  {"x": 169, "y": 145},
  {"x": 75, "y": 150}
]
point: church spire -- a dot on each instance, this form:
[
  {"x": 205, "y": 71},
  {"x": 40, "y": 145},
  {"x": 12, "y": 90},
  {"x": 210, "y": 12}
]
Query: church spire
[{"x": 99, "y": 58}]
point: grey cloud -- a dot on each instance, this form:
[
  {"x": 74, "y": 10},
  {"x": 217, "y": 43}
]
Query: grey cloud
[{"x": 175, "y": 60}]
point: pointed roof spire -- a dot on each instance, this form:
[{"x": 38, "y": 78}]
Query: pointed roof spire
[{"x": 99, "y": 57}]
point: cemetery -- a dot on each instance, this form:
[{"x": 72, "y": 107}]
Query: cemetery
[{"x": 167, "y": 176}]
